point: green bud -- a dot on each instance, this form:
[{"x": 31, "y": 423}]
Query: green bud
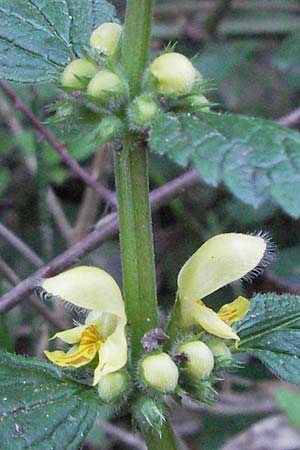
[
  {"x": 105, "y": 85},
  {"x": 160, "y": 372},
  {"x": 175, "y": 74},
  {"x": 219, "y": 348},
  {"x": 113, "y": 385},
  {"x": 149, "y": 414},
  {"x": 110, "y": 128},
  {"x": 197, "y": 102},
  {"x": 143, "y": 110},
  {"x": 200, "y": 361},
  {"x": 106, "y": 37},
  {"x": 77, "y": 74}
]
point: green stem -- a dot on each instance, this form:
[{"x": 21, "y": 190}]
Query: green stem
[
  {"x": 136, "y": 41},
  {"x": 167, "y": 440},
  {"x": 131, "y": 171}
]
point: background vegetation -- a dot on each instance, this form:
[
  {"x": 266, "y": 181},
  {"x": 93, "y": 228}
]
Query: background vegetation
[{"x": 249, "y": 49}]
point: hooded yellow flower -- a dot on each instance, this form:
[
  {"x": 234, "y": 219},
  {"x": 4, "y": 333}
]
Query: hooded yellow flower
[
  {"x": 103, "y": 334},
  {"x": 219, "y": 261}
]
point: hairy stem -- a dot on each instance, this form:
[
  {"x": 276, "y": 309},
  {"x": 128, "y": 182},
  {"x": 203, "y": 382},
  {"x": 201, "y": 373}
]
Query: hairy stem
[
  {"x": 136, "y": 241},
  {"x": 136, "y": 42},
  {"x": 131, "y": 169},
  {"x": 167, "y": 440}
]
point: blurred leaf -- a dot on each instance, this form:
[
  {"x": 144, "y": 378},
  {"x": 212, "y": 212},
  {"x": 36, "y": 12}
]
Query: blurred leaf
[
  {"x": 6, "y": 342},
  {"x": 271, "y": 332},
  {"x": 79, "y": 146},
  {"x": 97, "y": 436},
  {"x": 256, "y": 159},
  {"x": 251, "y": 89},
  {"x": 38, "y": 38},
  {"x": 26, "y": 142},
  {"x": 259, "y": 21},
  {"x": 289, "y": 402},
  {"x": 219, "y": 60},
  {"x": 231, "y": 212},
  {"x": 286, "y": 60},
  {"x": 4, "y": 180},
  {"x": 41, "y": 410},
  {"x": 286, "y": 268}
]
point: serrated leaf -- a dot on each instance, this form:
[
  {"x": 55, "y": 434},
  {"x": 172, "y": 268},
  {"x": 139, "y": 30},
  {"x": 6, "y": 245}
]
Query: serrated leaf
[
  {"x": 39, "y": 409},
  {"x": 271, "y": 332},
  {"x": 39, "y": 37},
  {"x": 257, "y": 160}
]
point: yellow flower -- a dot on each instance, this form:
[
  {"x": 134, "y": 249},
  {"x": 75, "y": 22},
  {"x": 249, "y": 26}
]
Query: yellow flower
[
  {"x": 219, "y": 261},
  {"x": 103, "y": 334}
]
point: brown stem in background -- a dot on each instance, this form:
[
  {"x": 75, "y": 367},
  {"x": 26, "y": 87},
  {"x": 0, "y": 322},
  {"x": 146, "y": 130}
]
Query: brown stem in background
[
  {"x": 48, "y": 314},
  {"x": 52, "y": 200},
  {"x": 216, "y": 17},
  {"x": 291, "y": 120},
  {"x": 105, "y": 193},
  {"x": 88, "y": 209},
  {"x": 193, "y": 6},
  {"x": 106, "y": 228},
  {"x": 20, "y": 246}
]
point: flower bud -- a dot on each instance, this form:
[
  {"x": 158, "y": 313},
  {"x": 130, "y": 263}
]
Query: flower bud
[
  {"x": 77, "y": 74},
  {"x": 197, "y": 102},
  {"x": 143, "y": 110},
  {"x": 175, "y": 74},
  {"x": 110, "y": 128},
  {"x": 105, "y": 84},
  {"x": 219, "y": 348},
  {"x": 113, "y": 385},
  {"x": 150, "y": 414},
  {"x": 160, "y": 372},
  {"x": 106, "y": 37},
  {"x": 200, "y": 361}
]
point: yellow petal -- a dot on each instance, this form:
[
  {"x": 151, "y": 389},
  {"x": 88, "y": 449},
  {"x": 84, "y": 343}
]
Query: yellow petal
[
  {"x": 71, "y": 336},
  {"x": 106, "y": 323},
  {"x": 211, "y": 322},
  {"x": 87, "y": 287},
  {"x": 220, "y": 260},
  {"x": 86, "y": 352},
  {"x": 112, "y": 353},
  {"x": 234, "y": 311}
]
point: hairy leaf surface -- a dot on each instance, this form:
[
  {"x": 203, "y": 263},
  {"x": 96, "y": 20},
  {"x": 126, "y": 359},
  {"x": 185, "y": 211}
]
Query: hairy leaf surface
[
  {"x": 256, "y": 159},
  {"x": 271, "y": 332},
  {"x": 39, "y": 37},
  {"x": 41, "y": 410}
]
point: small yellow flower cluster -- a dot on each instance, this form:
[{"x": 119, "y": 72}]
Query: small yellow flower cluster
[
  {"x": 101, "y": 339},
  {"x": 221, "y": 260},
  {"x": 170, "y": 82}
]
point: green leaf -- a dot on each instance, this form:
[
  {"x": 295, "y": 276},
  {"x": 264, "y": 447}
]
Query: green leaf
[
  {"x": 39, "y": 37},
  {"x": 257, "y": 160},
  {"x": 271, "y": 332},
  {"x": 41, "y": 410},
  {"x": 289, "y": 402}
]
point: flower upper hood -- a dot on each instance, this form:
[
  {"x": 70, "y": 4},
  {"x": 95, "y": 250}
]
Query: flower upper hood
[
  {"x": 103, "y": 334},
  {"x": 219, "y": 261}
]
